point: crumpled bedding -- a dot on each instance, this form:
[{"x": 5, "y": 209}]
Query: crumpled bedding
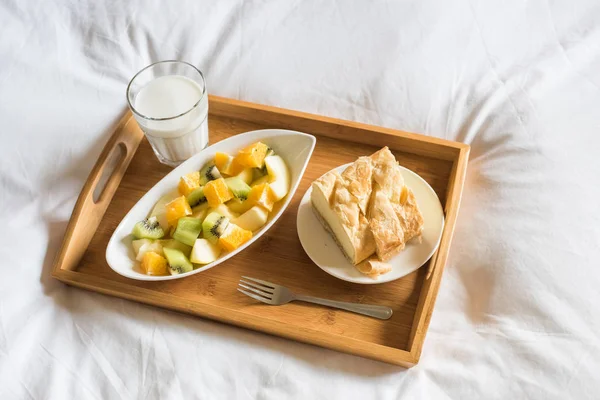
[{"x": 517, "y": 312}]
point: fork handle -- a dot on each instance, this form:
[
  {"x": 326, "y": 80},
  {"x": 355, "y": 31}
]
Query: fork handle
[{"x": 381, "y": 312}]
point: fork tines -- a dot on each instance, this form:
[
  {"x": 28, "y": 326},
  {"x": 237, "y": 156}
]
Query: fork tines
[{"x": 257, "y": 289}]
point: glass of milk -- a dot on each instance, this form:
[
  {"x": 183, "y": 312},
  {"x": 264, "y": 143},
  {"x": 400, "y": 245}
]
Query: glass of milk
[{"x": 169, "y": 101}]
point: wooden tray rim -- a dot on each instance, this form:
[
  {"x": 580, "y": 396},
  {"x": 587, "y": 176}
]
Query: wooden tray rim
[{"x": 76, "y": 240}]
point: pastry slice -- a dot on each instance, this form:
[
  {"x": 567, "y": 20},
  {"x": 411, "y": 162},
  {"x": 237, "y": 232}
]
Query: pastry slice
[
  {"x": 359, "y": 183},
  {"x": 373, "y": 267},
  {"x": 387, "y": 177},
  {"x": 409, "y": 215},
  {"x": 386, "y": 174},
  {"x": 368, "y": 210},
  {"x": 385, "y": 226},
  {"x": 339, "y": 212}
]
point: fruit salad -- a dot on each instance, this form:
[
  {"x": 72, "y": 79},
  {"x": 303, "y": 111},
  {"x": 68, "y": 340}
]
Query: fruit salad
[{"x": 212, "y": 211}]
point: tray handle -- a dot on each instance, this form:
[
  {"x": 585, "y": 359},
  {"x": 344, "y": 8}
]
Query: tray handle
[{"x": 97, "y": 192}]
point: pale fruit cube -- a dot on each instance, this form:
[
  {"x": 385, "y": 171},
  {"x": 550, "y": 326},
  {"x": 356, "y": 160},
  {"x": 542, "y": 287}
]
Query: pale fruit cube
[
  {"x": 204, "y": 252},
  {"x": 137, "y": 244},
  {"x": 200, "y": 211},
  {"x": 238, "y": 206},
  {"x": 280, "y": 176},
  {"x": 253, "y": 219},
  {"x": 246, "y": 175},
  {"x": 151, "y": 247},
  {"x": 224, "y": 211}
]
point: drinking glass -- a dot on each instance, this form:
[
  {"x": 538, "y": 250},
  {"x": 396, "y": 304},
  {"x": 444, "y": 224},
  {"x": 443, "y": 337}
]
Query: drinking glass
[{"x": 174, "y": 138}]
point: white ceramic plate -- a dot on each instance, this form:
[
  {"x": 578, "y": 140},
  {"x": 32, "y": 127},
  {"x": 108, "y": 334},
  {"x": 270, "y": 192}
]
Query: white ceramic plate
[
  {"x": 324, "y": 252},
  {"x": 294, "y": 147}
]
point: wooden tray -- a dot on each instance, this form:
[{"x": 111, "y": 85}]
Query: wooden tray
[{"x": 127, "y": 168}]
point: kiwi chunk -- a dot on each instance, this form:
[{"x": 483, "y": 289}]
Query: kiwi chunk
[
  {"x": 148, "y": 229},
  {"x": 177, "y": 245},
  {"x": 178, "y": 262},
  {"x": 238, "y": 187},
  {"x": 214, "y": 226},
  {"x": 187, "y": 231},
  {"x": 196, "y": 197},
  {"x": 209, "y": 173}
]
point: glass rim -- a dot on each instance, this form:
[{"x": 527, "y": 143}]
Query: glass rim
[{"x": 132, "y": 108}]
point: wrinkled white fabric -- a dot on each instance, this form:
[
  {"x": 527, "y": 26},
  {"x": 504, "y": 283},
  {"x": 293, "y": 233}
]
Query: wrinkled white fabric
[{"x": 517, "y": 313}]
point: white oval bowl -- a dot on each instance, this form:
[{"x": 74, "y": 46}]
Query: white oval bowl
[{"x": 294, "y": 147}]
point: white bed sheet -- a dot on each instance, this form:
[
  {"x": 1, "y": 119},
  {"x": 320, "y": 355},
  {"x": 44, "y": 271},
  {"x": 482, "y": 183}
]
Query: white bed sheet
[{"x": 517, "y": 312}]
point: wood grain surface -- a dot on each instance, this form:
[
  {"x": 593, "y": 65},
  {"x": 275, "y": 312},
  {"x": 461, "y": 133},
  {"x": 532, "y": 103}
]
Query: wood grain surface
[{"x": 278, "y": 255}]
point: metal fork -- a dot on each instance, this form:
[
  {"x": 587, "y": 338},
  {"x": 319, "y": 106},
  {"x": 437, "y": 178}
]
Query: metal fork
[{"x": 277, "y": 295}]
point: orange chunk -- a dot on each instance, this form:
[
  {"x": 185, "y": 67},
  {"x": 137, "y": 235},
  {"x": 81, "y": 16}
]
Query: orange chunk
[
  {"x": 189, "y": 182},
  {"x": 221, "y": 160},
  {"x": 217, "y": 192},
  {"x": 262, "y": 195},
  {"x": 176, "y": 209},
  {"x": 227, "y": 165},
  {"x": 234, "y": 237},
  {"x": 154, "y": 264},
  {"x": 253, "y": 156}
]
